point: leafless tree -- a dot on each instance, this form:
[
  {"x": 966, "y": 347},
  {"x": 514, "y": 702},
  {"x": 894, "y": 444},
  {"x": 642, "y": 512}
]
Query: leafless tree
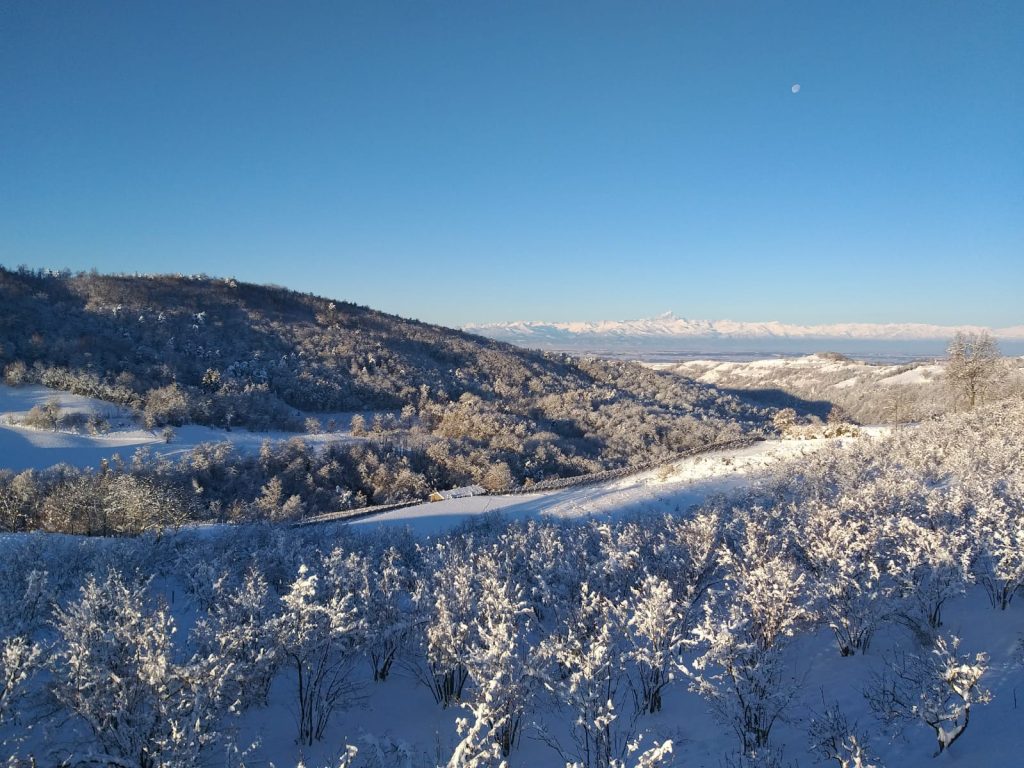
[{"x": 973, "y": 365}]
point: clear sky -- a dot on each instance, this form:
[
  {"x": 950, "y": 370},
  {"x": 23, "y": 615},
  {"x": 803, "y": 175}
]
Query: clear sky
[{"x": 485, "y": 161}]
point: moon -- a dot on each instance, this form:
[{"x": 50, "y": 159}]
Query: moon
[{"x": 795, "y": 88}]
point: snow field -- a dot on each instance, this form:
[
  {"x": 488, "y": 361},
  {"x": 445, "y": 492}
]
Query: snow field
[{"x": 24, "y": 448}]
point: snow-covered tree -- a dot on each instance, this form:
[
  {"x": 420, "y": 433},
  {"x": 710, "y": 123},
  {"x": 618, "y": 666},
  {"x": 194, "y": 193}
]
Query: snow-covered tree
[
  {"x": 653, "y": 757},
  {"x": 655, "y": 628},
  {"x": 936, "y": 685},
  {"x": 765, "y": 583},
  {"x": 842, "y": 549},
  {"x": 316, "y": 634},
  {"x": 24, "y": 606},
  {"x": 382, "y": 589},
  {"x": 115, "y": 671},
  {"x": 686, "y": 554},
  {"x": 19, "y": 657},
  {"x": 973, "y": 363},
  {"x": 745, "y": 628},
  {"x": 587, "y": 676},
  {"x": 999, "y": 537},
  {"x": 133, "y": 504},
  {"x": 449, "y": 600},
  {"x": 501, "y": 660},
  {"x": 555, "y": 562},
  {"x": 479, "y": 746},
  {"x": 239, "y": 629},
  {"x": 833, "y": 737},
  {"x": 931, "y": 564}
]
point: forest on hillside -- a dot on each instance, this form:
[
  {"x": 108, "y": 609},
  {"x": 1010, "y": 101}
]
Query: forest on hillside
[
  {"x": 225, "y": 353},
  {"x": 450, "y": 408}
]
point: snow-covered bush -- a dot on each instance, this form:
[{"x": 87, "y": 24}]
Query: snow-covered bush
[
  {"x": 655, "y": 625},
  {"x": 741, "y": 670},
  {"x": 115, "y": 671},
  {"x": 999, "y": 528},
  {"x": 935, "y": 685},
  {"x": 19, "y": 658},
  {"x": 502, "y": 663},
  {"x": 24, "y": 607},
  {"x": 833, "y": 737},
  {"x": 43, "y": 416},
  {"x": 239, "y": 630},
  {"x": 586, "y": 674},
  {"x": 383, "y": 587},
  {"x": 931, "y": 565},
  {"x": 317, "y": 633},
  {"x": 449, "y": 601},
  {"x": 843, "y": 552}
]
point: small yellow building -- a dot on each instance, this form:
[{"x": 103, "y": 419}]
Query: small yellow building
[{"x": 457, "y": 493}]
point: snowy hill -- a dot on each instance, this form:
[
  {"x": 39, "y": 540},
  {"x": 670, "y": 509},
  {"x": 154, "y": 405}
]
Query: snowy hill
[
  {"x": 867, "y": 392},
  {"x": 669, "y": 489},
  {"x": 185, "y": 351}
]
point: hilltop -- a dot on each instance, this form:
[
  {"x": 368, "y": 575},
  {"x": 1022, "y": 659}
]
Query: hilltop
[{"x": 442, "y": 405}]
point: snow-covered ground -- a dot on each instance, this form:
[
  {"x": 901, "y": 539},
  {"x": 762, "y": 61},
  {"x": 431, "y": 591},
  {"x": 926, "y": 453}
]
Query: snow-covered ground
[
  {"x": 401, "y": 711},
  {"x": 400, "y": 718},
  {"x": 24, "y": 448},
  {"x": 672, "y": 488}
]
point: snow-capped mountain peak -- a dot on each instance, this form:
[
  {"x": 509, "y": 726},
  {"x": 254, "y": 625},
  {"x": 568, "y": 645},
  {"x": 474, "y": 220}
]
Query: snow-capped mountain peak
[{"x": 668, "y": 325}]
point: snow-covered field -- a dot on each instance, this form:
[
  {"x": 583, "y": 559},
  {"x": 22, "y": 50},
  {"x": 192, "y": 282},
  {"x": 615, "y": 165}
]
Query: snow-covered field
[
  {"x": 402, "y": 712},
  {"x": 672, "y": 488},
  {"x": 24, "y": 448}
]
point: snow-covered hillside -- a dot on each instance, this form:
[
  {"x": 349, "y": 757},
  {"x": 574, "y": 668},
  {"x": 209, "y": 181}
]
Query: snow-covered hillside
[
  {"x": 673, "y": 488},
  {"x": 866, "y": 392},
  {"x": 851, "y": 605},
  {"x": 24, "y": 448},
  {"x": 808, "y": 370}
]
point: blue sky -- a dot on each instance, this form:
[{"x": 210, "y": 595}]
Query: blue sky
[{"x": 485, "y": 161}]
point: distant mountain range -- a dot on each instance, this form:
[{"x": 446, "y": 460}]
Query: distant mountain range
[{"x": 669, "y": 327}]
